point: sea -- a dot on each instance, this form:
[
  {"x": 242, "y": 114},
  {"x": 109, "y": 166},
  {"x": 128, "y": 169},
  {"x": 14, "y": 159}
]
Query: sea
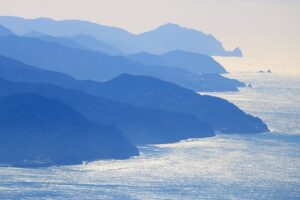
[{"x": 256, "y": 166}]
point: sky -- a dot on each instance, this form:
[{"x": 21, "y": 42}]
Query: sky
[{"x": 267, "y": 31}]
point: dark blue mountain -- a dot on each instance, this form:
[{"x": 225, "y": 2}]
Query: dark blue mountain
[
  {"x": 140, "y": 125},
  {"x": 85, "y": 64},
  {"x": 39, "y": 131},
  {"x": 145, "y": 92},
  {"x": 157, "y": 94},
  {"x": 14, "y": 70},
  {"x": 168, "y": 37},
  {"x": 193, "y": 62}
]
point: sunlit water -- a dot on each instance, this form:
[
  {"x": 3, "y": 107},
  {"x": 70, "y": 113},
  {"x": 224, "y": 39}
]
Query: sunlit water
[{"x": 263, "y": 166}]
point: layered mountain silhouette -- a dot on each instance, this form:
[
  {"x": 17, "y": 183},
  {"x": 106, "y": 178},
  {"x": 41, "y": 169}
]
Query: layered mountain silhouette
[
  {"x": 91, "y": 43},
  {"x": 168, "y": 37},
  {"x": 74, "y": 91},
  {"x": 140, "y": 125},
  {"x": 194, "y": 62},
  {"x": 39, "y": 131},
  {"x": 79, "y": 42},
  {"x": 60, "y": 40},
  {"x": 147, "y": 92},
  {"x": 85, "y": 64},
  {"x": 143, "y": 91}
]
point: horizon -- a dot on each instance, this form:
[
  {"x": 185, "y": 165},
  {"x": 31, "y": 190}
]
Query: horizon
[{"x": 269, "y": 39}]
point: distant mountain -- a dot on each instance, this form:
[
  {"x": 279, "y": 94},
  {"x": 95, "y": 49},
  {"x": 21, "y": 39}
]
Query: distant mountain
[
  {"x": 91, "y": 43},
  {"x": 34, "y": 34},
  {"x": 168, "y": 37},
  {"x": 147, "y": 58},
  {"x": 78, "y": 41},
  {"x": 85, "y": 64},
  {"x": 154, "y": 93},
  {"x": 14, "y": 70},
  {"x": 39, "y": 131},
  {"x": 140, "y": 125},
  {"x": 193, "y": 62},
  {"x": 60, "y": 40},
  {"x": 110, "y": 35},
  {"x": 143, "y": 92},
  {"x": 4, "y": 31}
]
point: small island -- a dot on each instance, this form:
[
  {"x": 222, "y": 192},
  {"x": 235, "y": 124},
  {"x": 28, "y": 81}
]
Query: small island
[{"x": 268, "y": 71}]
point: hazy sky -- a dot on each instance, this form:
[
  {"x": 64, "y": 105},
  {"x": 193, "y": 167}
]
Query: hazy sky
[{"x": 268, "y": 31}]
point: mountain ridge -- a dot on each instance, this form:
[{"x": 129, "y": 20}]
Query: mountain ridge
[
  {"x": 85, "y": 64},
  {"x": 139, "y": 124},
  {"x": 193, "y": 62},
  {"x": 195, "y": 41},
  {"x": 37, "y": 131},
  {"x": 141, "y": 91}
]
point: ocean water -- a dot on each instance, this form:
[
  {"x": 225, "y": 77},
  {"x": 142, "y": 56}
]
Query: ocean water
[{"x": 261, "y": 166}]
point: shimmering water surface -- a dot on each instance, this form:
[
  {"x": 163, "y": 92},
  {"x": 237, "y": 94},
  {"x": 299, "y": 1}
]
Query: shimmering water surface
[{"x": 263, "y": 166}]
